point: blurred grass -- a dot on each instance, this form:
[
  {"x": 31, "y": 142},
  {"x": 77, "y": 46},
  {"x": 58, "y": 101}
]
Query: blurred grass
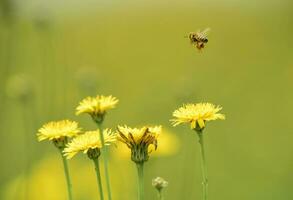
[{"x": 138, "y": 53}]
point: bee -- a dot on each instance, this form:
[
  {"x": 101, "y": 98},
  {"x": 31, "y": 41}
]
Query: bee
[{"x": 199, "y": 38}]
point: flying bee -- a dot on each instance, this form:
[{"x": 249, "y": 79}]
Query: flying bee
[{"x": 199, "y": 38}]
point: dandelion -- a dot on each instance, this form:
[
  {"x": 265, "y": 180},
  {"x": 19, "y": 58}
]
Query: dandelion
[
  {"x": 159, "y": 183},
  {"x": 197, "y": 115},
  {"x": 90, "y": 143},
  {"x": 97, "y": 107},
  {"x": 59, "y": 132},
  {"x": 169, "y": 146},
  {"x": 139, "y": 140}
]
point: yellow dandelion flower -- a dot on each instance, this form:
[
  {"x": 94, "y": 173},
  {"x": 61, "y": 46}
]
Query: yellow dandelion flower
[
  {"x": 90, "y": 140},
  {"x": 169, "y": 145},
  {"x": 96, "y": 106},
  {"x": 197, "y": 114},
  {"x": 58, "y": 130},
  {"x": 139, "y": 140}
]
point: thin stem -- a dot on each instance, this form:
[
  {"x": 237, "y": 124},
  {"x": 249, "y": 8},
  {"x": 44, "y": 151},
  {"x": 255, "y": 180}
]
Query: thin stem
[
  {"x": 105, "y": 155},
  {"x": 140, "y": 181},
  {"x": 66, "y": 172},
  {"x": 97, "y": 167},
  {"x": 203, "y": 166},
  {"x": 28, "y": 147},
  {"x": 160, "y": 195}
]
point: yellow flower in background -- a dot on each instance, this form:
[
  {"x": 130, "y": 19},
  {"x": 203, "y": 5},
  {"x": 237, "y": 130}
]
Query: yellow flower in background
[
  {"x": 43, "y": 181},
  {"x": 87, "y": 141},
  {"x": 139, "y": 140},
  {"x": 96, "y": 106},
  {"x": 197, "y": 114},
  {"x": 58, "y": 130}
]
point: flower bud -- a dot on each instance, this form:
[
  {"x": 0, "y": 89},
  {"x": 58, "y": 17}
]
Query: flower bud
[{"x": 159, "y": 183}]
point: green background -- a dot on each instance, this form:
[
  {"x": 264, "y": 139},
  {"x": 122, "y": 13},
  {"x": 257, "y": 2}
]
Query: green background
[{"x": 54, "y": 53}]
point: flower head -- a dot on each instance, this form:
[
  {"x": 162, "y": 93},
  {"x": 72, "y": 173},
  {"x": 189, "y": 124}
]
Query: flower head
[
  {"x": 139, "y": 140},
  {"x": 159, "y": 183},
  {"x": 96, "y": 106},
  {"x": 58, "y": 131},
  {"x": 89, "y": 143},
  {"x": 197, "y": 115},
  {"x": 169, "y": 146}
]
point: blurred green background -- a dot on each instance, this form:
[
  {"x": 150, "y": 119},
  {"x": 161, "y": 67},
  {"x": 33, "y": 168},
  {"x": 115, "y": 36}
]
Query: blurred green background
[{"x": 54, "y": 53}]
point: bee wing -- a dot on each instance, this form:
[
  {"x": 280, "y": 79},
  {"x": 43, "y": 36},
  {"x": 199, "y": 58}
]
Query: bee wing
[{"x": 205, "y": 32}]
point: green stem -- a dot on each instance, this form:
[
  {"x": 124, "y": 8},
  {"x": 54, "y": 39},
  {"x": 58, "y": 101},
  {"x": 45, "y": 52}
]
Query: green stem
[
  {"x": 160, "y": 195},
  {"x": 140, "y": 181},
  {"x": 203, "y": 166},
  {"x": 97, "y": 167},
  {"x": 66, "y": 172},
  {"x": 105, "y": 155}
]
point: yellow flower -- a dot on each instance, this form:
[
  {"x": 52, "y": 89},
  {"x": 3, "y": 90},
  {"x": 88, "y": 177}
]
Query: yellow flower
[
  {"x": 90, "y": 140},
  {"x": 96, "y": 106},
  {"x": 197, "y": 114},
  {"x": 169, "y": 145},
  {"x": 58, "y": 130},
  {"x": 139, "y": 140}
]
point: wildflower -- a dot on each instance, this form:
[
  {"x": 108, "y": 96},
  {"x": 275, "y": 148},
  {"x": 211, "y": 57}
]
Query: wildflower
[
  {"x": 169, "y": 146},
  {"x": 96, "y": 106},
  {"x": 197, "y": 115},
  {"x": 89, "y": 143},
  {"x": 139, "y": 140},
  {"x": 159, "y": 183},
  {"x": 58, "y": 132}
]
